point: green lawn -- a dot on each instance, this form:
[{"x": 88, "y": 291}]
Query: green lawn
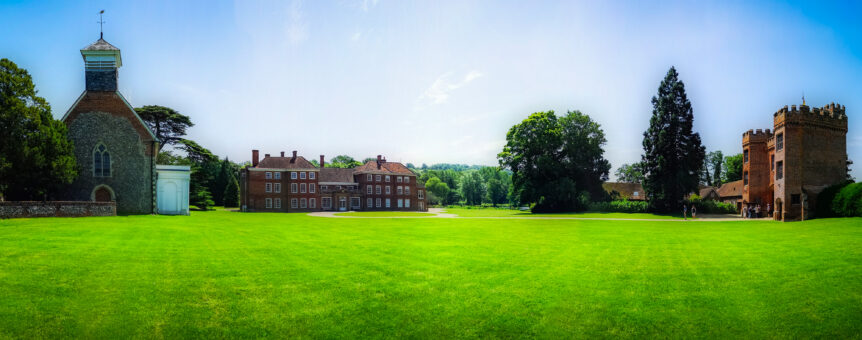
[
  {"x": 490, "y": 212},
  {"x": 227, "y": 274},
  {"x": 384, "y": 214}
]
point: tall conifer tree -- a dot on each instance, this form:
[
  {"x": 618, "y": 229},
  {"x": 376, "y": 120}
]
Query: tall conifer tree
[{"x": 673, "y": 154}]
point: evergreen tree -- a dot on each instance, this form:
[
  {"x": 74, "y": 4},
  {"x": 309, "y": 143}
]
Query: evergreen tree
[
  {"x": 37, "y": 158},
  {"x": 231, "y": 193},
  {"x": 673, "y": 154},
  {"x": 168, "y": 124},
  {"x": 221, "y": 181}
]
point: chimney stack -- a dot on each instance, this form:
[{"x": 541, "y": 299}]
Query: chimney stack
[
  {"x": 379, "y": 158},
  {"x": 293, "y": 159},
  {"x": 255, "y": 155},
  {"x": 282, "y": 154},
  {"x": 321, "y": 161},
  {"x": 266, "y": 156}
]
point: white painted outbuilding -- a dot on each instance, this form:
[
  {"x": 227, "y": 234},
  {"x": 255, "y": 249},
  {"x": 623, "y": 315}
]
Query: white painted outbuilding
[{"x": 172, "y": 189}]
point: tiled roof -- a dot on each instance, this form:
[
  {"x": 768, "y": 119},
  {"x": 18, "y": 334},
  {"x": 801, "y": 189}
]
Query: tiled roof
[
  {"x": 704, "y": 192},
  {"x": 626, "y": 190},
  {"x": 730, "y": 189},
  {"x": 100, "y": 45},
  {"x": 336, "y": 175},
  {"x": 284, "y": 163},
  {"x": 385, "y": 167}
]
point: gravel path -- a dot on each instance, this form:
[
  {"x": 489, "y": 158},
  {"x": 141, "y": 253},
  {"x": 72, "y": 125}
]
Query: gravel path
[{"x": 440, "y": 213}]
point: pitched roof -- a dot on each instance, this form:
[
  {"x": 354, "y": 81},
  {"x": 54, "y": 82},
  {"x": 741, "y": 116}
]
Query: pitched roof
[
  {"x": 626, "y": 190},
  {"x": 336, "y": 175},
  {"x": 704, "y": 192},
  {"x": 385, "y": 168},
  {"x": 100, "y": 45},
  {"x": 730, "y": 189},
  {"x": 285, "y": 163}
]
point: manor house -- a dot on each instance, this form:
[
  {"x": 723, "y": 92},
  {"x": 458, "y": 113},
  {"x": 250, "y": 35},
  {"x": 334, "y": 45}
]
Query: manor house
[
  {"x": 293, "y": 184},
  {"x": 787, "y": 167}
]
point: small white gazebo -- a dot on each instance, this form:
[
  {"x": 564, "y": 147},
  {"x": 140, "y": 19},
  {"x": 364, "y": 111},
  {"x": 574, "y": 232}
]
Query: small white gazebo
[{"x": 172, "y": 189}]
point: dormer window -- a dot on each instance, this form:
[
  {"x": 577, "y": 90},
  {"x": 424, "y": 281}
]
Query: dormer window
[{"x": 101, "y": 161}]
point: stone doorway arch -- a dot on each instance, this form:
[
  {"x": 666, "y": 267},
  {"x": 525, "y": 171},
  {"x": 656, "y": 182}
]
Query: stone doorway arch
[{"x": 103, "y": 193}]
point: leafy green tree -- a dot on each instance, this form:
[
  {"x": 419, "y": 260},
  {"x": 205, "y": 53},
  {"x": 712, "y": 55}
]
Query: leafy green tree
[
  {"x": 439, "y": 189},
  {"x": 168, "y": 124},
  {"x": 630, "y": 173},
  {"x": 231, "y": 193},
  {"x": 732, "y": 167},
  {"x": 497, "y": 191},
  {"x": 167, "y": 157},
  {"x": 204, "y": 166},
  {"x": 343, "y": 161},
  {"x": 369, "y": 159},
  {"x": 558, "y": 164},
  {"x": 37, "y": 159},
  {"x": 472, "y": 188},
  {"x": 712, "y": 168},
  {"x": 673, "y": 154}
]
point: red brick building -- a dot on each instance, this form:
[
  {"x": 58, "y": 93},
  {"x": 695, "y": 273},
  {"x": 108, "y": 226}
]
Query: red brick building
[
  {"x": 293, "y": 184},
  {"x": 787, "y": 168}
]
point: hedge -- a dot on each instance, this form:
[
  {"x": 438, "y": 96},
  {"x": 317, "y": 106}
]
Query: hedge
[{"x": 848, "y": 201}]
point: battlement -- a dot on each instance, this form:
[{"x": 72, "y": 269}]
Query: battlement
[
  {"x": 830, "y": 116},
  {"x": 758, "y": 135}
]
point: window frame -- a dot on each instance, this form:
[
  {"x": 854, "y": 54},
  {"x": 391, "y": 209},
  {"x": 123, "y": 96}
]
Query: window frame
[
  {"x": 388, "y": 203},
  {"x": 389, "y": 190},
  {"x": 779, "y": 141},
  {"x": 293, "y": 175},
  {"x": 268, "y": 203},
  {"x": 312, "y": 203},
  {"x": 312, "y": 188},
  {"x": 277, "y": 175},
  {"x": 369, "y": 189},
  {"x": 294, "y": 188},
  {"x": 387, "y": 179},
  {"x": 302, "y": 188},
  {"x": 311, "y": 175},
  {"x": 277, "y": 188},
  {"x": 407, "y": 203},
  {"x": 278, "y": 203},
  {"x": 294, "y": 203},
  {"x": 369, "y": 203},
  {"x": 302, "y": 175},
  {"x": 267, "y": 187},
  {"x": 303, "y": 203},
  {"x": 268, "y": 175},
  {"x": 378, "y": 202}
]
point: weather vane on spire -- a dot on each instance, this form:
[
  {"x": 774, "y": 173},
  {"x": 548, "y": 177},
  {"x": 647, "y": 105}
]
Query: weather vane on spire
[
  {"x": 101, "y": 33},
  {"x": 803, "y": 98}
]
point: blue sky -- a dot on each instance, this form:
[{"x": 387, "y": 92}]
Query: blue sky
[{"x": 442, "y": 81}]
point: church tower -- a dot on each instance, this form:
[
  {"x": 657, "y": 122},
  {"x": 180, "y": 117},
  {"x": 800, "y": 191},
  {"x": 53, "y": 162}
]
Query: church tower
[{"x": 101, "y": 61}]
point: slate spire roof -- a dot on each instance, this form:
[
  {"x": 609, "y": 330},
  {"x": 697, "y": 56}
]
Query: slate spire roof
[{"x": 100, "y": 45}]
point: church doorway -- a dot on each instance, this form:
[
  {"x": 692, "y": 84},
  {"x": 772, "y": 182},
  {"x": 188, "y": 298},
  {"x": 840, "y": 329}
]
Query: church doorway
[{"x": 102, "y": 193}]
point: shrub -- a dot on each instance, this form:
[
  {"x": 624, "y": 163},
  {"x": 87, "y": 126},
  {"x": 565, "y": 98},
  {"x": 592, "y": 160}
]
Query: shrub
[
  {"x": 623, "y": 206},
  {"x": 825, "y": 199},
  {"x": 710, "y": 206},
  {"x": 848, "y": 201}
]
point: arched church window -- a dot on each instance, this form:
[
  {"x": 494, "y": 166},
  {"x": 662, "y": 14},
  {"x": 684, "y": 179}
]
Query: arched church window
[{"x": 101, "y": 161}]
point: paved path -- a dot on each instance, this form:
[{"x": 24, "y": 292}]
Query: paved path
[{"x": 440, "y": 213}]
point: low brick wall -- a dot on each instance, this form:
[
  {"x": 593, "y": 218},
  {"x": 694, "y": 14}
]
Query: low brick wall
[{"x": 57, "y": 209}]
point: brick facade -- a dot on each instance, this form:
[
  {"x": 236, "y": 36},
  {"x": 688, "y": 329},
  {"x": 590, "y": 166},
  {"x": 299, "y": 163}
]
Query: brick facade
[
  {"x": 333, "y": 189},
  {"x": 789, "y": 167}
]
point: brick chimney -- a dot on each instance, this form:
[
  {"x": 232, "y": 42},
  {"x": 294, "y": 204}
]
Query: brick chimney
[
  {"x": 321, "y": 161},
  {"x": 379, "y": 159},
  {"x": 266, "y": 156},
  {"x": 282, "y": 154},
  {"x": 293, "y": 159},
  {"x": 255, "y": 157}
]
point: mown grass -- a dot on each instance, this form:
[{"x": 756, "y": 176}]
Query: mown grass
[
  {"x": 227, "y": 274},
  {"x": 384, "y": 214},
  {"x": 462, "y": 212}
]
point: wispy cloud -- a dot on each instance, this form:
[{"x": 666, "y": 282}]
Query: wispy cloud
[
  {"x": 442, "y": 87},
  {"x": 356, "y": 36},
  {"x": 297, "y": 28},
  {"x": 368, "y": 4}
]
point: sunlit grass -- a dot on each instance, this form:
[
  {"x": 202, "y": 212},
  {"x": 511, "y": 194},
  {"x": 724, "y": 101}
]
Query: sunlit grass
[
  {"x": 384, "y": 214},
  {"x": 224, "y": 274}
]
